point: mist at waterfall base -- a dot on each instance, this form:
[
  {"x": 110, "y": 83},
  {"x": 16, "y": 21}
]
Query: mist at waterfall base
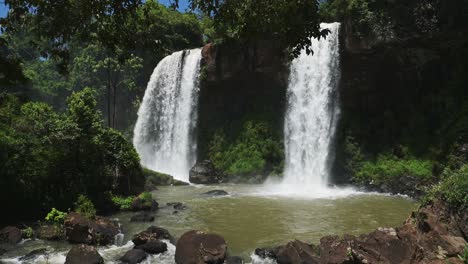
[
  {"x": 163, "y": 135},
  {"x": 310, "y": 122}
]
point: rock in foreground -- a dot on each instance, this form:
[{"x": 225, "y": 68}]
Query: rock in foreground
[
  {"x": 81, "y": 230},
  {"x": 83, "y": 254},
  {"x": 197, "y": 247},
  {"x": 153, "y": 247},
  {"x": 134, "y": 256},
  {"x": 10, "y": 235},
  {"x": 204, "y": 173}
]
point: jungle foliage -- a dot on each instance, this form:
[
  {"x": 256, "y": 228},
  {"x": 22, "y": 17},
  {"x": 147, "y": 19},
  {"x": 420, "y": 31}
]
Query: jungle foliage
[{"x": 47, "y": 158}]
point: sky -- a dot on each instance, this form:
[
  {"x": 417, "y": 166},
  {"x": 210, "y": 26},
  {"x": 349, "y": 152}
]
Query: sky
[{"x": 183, "y": 5}]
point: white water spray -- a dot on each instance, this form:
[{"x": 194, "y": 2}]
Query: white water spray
[
  {"x": 310, "y": 121},
  {"x": 312, "y": 112},
  {"x": 164, "y": 132}
]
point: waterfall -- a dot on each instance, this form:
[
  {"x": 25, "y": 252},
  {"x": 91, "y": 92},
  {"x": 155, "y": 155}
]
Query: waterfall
[
  {"x": 312, "y": 112},
  {"x": 164, "y": 132}
]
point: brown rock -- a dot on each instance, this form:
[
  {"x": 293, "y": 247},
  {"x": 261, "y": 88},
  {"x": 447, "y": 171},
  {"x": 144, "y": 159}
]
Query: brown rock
[
  {"x": 10, "y": 235},
  {"x": 153, "y": 233},
  {"x": 83, "y": 254},
  {"x": 197, "y": 247},
  {"x": 81, "y": 230}
]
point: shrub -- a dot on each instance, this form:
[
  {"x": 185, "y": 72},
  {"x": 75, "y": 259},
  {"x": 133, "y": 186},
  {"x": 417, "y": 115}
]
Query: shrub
[
  {"x": 123, "y": 202},
  {"x": 27, "y": 232},
  {"x": 464, "y": 256},
  {"x": 56, "y": 217},
  {"x": 388, "y": 167},
  {"x": 453, "y": 188},
  {"x": 146, "y": 198},
  {"x": 85, "y": 207}
]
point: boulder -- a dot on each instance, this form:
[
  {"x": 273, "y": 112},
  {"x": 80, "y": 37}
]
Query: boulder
[
  {"x": 153, "y": 233},
  {"x": 216, "y": 193},
  {"x": 204, "y": 173},
  {"x": 83, "y": 254},
  {"x": 142, "y": 217},
  {"x": 134, "y": 256},
  {"x": 139, "y": 204},
  {"x": 153, "y": 247},
  {"x": 50, "y": 232},
  {"x": 105, "y": 230},
  {"x": 197, "y": 247},
  {"x": 294, "y": 252},
  {"x": 10, "y": 235},
  {"x": 81, "y": 230}
]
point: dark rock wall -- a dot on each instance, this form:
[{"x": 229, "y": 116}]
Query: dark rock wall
[
  {"x": 408, "y": 89},
  {"x": 240, "y": 84}
]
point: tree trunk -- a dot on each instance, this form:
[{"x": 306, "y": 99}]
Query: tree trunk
[{"x": 108, "y": 94}]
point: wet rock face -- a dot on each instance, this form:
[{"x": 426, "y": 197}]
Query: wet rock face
[
  {"x": 83, "y": 254},
  {"x": 196, "y": 247},
  {"x": 10, "y": 235},
  {"x": 80, "y": 230},
  {"x": 153, "y": 247},
  {"x": 153, "y": 233},
  {"x": 204, "y": 173},
  {"x": 134, "y": 256},
  {"x": 430, "y": 235}
]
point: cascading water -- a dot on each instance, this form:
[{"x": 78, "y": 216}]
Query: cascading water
[
  {"x": 312, "y": 112},
  {"x": 163, "y": 135}
]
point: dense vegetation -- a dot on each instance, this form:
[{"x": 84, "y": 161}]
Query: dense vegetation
[
  {"x": 48, "y": 159},
  {"x": 254, "y": 152}
]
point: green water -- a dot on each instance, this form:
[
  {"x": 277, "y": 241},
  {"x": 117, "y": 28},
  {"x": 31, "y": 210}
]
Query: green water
[{"x": 248, "y": 220}]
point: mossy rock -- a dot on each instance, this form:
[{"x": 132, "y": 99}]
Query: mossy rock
[{"x": 154, "y": 179}]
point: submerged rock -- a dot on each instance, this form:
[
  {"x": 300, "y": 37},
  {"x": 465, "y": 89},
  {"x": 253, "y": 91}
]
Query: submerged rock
[
  {"x": 177, "y": 206},
  {"x": 153, "y": 247},
  {"x": 216, "y": 193},
  {"x": 204, "y": 173},
  {"x": 142, "y": 217},
  {"x": 81, "y": 230},
  {"x": 33, "y": 253},
  {"x": 10, "y": 235},
  {"x": 200, "y": 247},
  {"x": 83, "y": 254},
  {"x": 134, "y": 256},
  {"x": 153, "y": 233}
]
